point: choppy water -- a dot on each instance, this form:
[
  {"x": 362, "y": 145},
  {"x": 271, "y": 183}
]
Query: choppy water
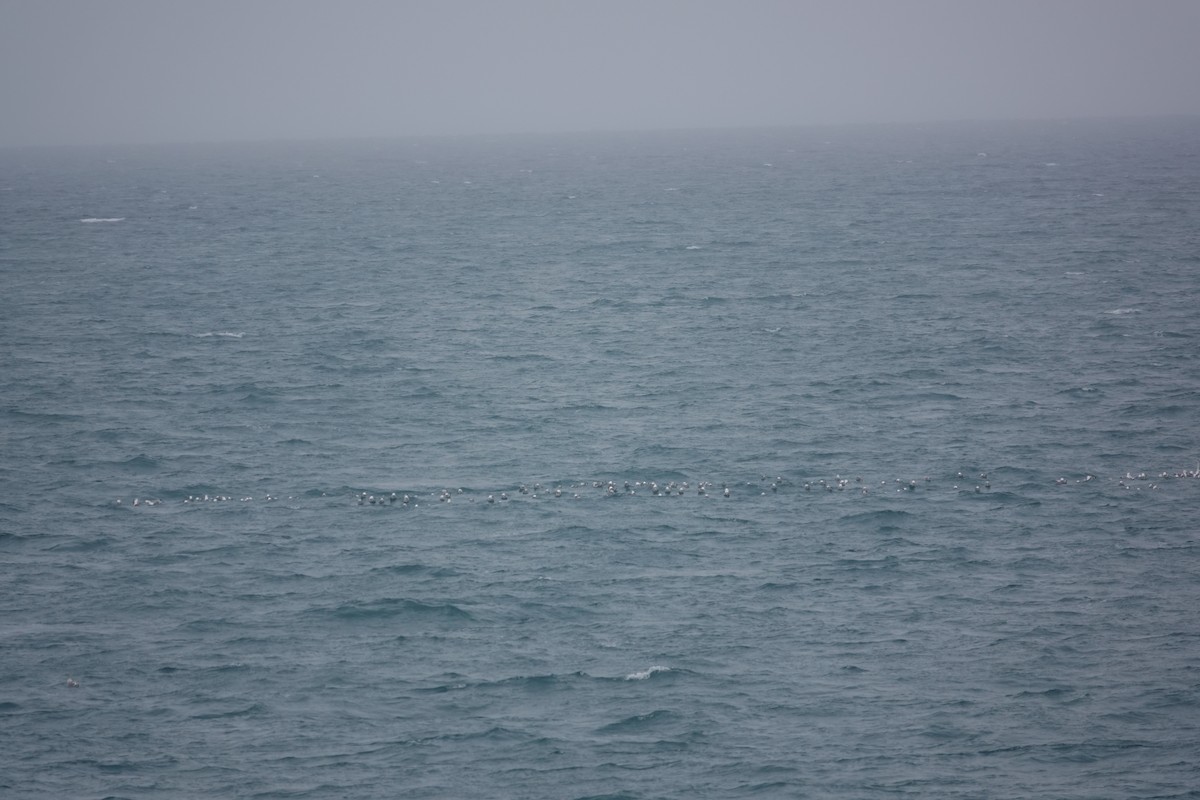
[{"x": 948, "y": 375}]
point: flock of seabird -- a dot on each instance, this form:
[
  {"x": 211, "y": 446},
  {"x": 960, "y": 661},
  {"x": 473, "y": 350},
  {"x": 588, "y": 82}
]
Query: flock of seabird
[
  {"x": 976, "y": 482},
  {"x": 214, "y": 498},
  {"x": 609, "y": 489}
]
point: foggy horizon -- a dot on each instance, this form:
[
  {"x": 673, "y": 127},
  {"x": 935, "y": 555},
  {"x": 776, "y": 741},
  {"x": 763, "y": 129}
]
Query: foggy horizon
[{"x": 132, "y": 72}]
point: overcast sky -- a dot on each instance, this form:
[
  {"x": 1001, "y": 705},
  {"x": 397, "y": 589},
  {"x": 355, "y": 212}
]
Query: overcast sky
[{"x": 79, "y": 71}]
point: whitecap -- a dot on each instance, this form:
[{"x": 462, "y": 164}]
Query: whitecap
[
  {"x": 1122, "y": 311},
  {"x": 102, "y": 219},
  {"x": 226, "y": 334},
  {"x": 693, "y": 247},
  {"x": 646, "y": 673}
]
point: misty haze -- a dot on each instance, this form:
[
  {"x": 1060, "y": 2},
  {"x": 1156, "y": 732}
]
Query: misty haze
[{"x": 126, "y": 71}]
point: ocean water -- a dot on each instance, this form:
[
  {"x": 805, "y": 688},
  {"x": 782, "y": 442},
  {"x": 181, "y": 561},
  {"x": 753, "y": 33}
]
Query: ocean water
[{"x": 832, "y": 462}]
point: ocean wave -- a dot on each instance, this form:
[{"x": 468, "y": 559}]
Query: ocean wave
[
  {"x": 644, "y": 674},
  {"x": 456, "y": 682},
  {"x": 639, "y": 722},
  {"x": 254, "y": 709},
  {"x": 139, "y": 463},
  {"x": 388, "y": 607},
  {"x": 497, "y": 732},
  {"x": 220, "y": 334},
  {"x": 871, "y": 564},
  {"x": 530, "y": 682},
  {"x": 102, "y": 219},
  {"x": 1089, "y": 392},
  {"x": 417, "y": 569},
  {"x": 886, "y": 516}
]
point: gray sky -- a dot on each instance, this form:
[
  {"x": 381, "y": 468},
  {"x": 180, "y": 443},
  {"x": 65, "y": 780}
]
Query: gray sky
[{"x": 79, "y": 71}]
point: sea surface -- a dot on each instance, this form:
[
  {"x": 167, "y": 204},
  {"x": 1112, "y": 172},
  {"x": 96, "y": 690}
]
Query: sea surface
[{"x": 856, "y": 462}]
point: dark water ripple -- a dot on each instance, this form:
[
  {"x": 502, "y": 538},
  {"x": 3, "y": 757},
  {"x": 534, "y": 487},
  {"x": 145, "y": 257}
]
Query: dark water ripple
[{"x": 952, "y": 397}]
